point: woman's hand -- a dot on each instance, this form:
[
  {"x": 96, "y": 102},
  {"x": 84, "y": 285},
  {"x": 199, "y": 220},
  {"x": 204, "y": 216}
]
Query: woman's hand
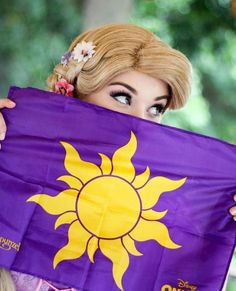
[
  {"x": 4, "y": 103},
  {"x": 233, "y": 209}
]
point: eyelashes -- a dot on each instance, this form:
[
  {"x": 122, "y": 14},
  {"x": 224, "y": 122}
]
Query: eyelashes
[
  {"x": 120, "y": 93},
  {"x": 121, "y": 96},
  {"x": 125, "y": 98},
  {"x": 157, "y": 109}
]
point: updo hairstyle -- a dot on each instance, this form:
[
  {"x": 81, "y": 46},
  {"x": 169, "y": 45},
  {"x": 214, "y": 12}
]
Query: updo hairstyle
[{"x": 121, "y": 48}]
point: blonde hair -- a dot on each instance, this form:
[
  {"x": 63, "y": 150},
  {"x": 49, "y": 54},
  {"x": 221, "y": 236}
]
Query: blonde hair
[
  {"x": 121, "y": 48},
  {"x": 6, "y": 282}
]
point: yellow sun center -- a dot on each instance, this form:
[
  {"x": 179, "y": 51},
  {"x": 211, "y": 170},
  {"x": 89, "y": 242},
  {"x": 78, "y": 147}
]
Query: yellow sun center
[{"x": 108, "y": 213}]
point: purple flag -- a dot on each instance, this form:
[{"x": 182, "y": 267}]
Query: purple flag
[{"x": 100, "y": 200}]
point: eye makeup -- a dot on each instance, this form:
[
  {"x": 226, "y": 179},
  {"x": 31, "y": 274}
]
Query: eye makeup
[
  {"x": 156, "y": 110},
  {"x": 120, "y": 93}
]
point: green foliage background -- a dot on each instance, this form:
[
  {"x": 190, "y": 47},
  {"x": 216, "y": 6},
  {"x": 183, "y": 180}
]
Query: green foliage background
[{"x": 34, "y": 35}]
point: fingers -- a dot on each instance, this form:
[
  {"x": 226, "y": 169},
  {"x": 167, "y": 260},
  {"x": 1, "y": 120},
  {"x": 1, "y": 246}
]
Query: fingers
[
  {"x": 3, "y": 129},
  {"x": 232, "y": 210},
  {"x": 5, "y": 102}
]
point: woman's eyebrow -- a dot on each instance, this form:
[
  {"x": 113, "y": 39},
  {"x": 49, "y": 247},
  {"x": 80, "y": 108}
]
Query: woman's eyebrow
[
  {"x": 162, "y": 97},
  {"x": 125, "y": 85}
]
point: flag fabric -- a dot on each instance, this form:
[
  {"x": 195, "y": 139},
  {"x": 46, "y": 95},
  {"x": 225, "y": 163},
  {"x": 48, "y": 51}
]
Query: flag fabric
[{"x": 99, "y": 200}]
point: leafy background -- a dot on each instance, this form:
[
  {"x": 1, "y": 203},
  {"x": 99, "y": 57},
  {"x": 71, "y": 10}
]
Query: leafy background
[{"x": 34, "y": 35}]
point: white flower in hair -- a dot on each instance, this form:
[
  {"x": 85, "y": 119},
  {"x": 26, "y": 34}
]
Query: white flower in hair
[{"x": 83, "y": 51}]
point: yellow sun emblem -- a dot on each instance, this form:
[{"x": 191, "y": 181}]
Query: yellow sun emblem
[{"x": 108, "y": 208}]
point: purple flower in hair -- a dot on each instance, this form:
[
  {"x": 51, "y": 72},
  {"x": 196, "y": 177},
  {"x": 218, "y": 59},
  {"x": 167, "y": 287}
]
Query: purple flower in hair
[{"x": 66, "y": 58}]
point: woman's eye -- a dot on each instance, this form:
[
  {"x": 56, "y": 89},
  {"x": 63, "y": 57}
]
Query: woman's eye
[
  {"x": 156, "y": 110},
  {"x": 121, "y": 97}
]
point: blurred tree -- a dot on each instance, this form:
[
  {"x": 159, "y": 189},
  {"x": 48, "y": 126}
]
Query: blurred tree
[
  {"x": 109, "y": 11},
  {"x": 233, "y": 5},
  {"x": 205, "y": 31},
  {"x": 34, "y": 34}
]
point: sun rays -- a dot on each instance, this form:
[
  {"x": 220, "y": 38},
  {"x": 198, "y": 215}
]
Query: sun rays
[{"x": 108, "y": 207}]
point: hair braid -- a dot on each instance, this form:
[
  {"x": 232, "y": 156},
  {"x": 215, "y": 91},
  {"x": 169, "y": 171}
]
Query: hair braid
[{"x": 6, "y": 282}]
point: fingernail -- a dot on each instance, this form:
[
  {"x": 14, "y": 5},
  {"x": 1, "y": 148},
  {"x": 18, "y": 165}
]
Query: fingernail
[
  {"x": 11, "y": 103},
  {"x": 235, "y": 197},
  {"x": 234, "y": 218},
  {"x": 2, "y": 135}
]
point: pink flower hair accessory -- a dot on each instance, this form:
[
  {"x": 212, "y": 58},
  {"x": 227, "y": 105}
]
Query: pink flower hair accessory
[{"x": 63, "y": 87}]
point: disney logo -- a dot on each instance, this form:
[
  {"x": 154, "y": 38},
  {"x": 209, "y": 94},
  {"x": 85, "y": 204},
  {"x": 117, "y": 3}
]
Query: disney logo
[{"x": 185, "y": 284}]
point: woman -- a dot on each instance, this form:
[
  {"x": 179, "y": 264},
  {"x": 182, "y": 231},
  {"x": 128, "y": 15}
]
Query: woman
[{"x": 121, "y": 67}]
